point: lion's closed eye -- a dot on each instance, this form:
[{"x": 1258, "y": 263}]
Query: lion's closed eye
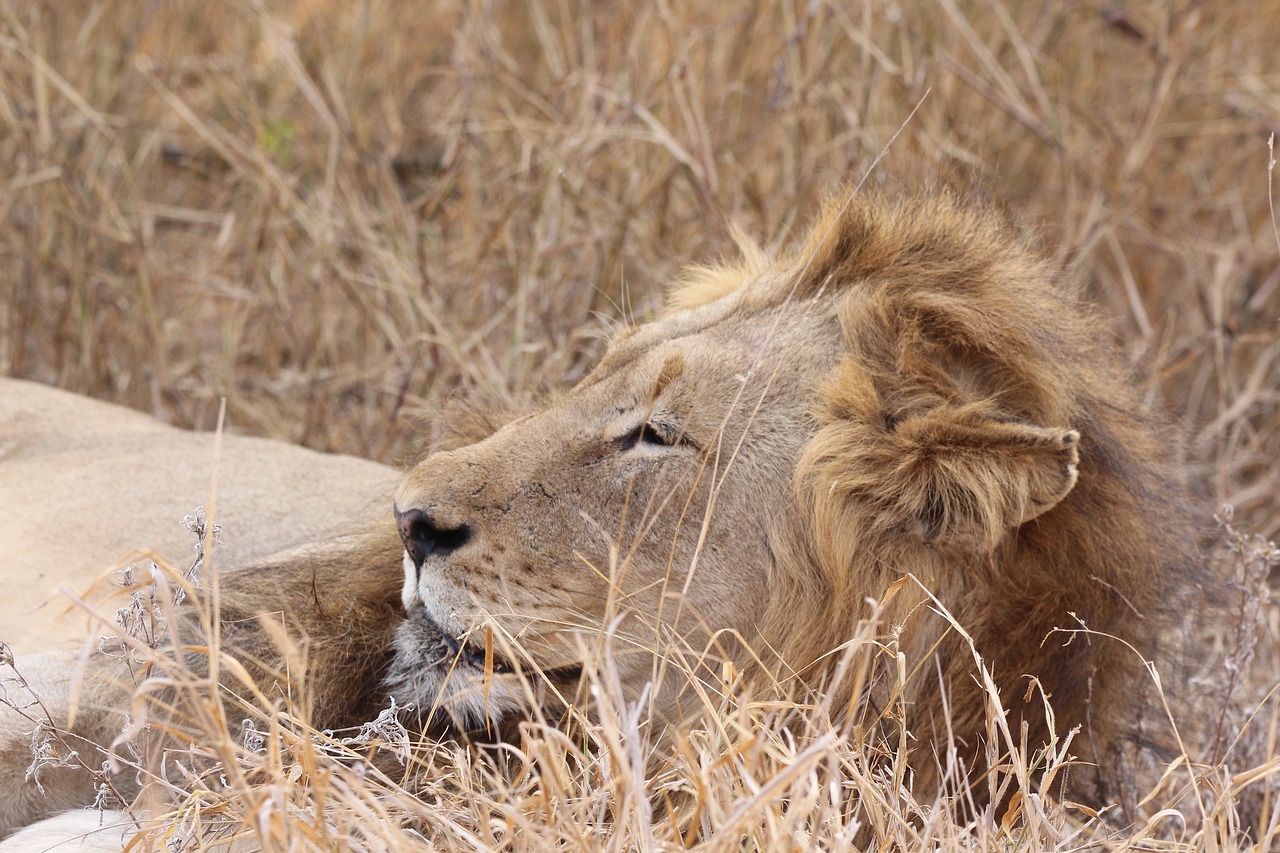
[{"x": 653, "y": 434}]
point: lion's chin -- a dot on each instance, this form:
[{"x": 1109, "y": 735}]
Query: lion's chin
[
  {"x": 442, "y": 680},
  {"x": 447, "y": 683}
]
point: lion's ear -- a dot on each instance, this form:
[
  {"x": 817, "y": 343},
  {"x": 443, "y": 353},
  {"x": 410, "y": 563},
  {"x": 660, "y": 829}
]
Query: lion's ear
[
  {"x": 954, "y": 475},
  {"x": 964, "y": 477}
]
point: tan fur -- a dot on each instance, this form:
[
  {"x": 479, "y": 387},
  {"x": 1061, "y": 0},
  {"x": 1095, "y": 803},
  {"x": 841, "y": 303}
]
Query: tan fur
[
  {"x": 78, "y": 831},
  {"x": 910, "y": 392},
  {"x": 702, "y": 284},
  {"x": 84, "y": 483}
]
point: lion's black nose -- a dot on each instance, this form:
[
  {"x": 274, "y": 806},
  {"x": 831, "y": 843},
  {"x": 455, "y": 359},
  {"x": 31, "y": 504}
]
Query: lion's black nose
[{"x": 424, "y": 537}]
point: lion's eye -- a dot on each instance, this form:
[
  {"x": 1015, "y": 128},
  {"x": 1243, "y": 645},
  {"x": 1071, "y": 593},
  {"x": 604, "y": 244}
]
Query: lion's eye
[{"x": 652, "y": 435}]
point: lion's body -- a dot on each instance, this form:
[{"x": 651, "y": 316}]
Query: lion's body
[
  {"x": 908, "y": 396},
  {"x": 83, "y": 484}
]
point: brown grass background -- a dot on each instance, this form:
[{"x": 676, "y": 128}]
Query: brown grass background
[{"x": 341, "y": 216}]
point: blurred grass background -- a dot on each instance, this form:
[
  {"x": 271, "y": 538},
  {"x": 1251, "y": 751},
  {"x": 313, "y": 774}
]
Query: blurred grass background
[{"x": 342, "y": 215}]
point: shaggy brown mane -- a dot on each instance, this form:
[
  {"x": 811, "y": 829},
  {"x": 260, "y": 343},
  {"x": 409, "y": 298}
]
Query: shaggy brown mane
[{"x": 977, "y": 437}]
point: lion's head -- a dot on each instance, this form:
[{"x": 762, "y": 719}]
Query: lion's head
[{"x": 909, "y": 392}]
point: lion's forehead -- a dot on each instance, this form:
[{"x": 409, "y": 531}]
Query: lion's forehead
[{"x": 726, "y": 339}]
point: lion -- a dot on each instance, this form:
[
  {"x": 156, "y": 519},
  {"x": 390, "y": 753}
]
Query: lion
[
  {"x": 908, "y": 418},
  {"x": 83, "y": 482}
]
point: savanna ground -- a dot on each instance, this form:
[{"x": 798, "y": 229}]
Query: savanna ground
[{"x": 345, "y": 216}]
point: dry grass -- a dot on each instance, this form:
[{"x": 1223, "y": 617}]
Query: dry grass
[
  {"x": 233, "y": 765},
  {"x": 340, "y": 216}
]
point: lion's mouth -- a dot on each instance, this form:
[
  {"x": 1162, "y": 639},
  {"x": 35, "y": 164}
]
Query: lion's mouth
[
  {"x": 489, "y": 659},
  {"x": 465, "y": 652}
]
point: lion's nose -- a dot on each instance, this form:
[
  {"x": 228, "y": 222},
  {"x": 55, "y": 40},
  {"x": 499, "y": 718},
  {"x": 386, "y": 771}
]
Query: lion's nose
[{"x": 424, "y": 537}]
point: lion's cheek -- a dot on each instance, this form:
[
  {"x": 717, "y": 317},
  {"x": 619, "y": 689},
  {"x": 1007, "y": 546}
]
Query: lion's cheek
[{"x": 734, "y": 599}]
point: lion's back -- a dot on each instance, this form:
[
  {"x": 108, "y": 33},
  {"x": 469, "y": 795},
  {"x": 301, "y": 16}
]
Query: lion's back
[{"x": 83, "y": 483}]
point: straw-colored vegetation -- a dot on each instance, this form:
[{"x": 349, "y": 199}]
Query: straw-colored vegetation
[{"x": 342, "y": 216}]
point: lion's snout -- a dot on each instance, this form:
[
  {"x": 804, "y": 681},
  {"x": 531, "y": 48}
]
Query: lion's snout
[{"x": 425, "y": 536}]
